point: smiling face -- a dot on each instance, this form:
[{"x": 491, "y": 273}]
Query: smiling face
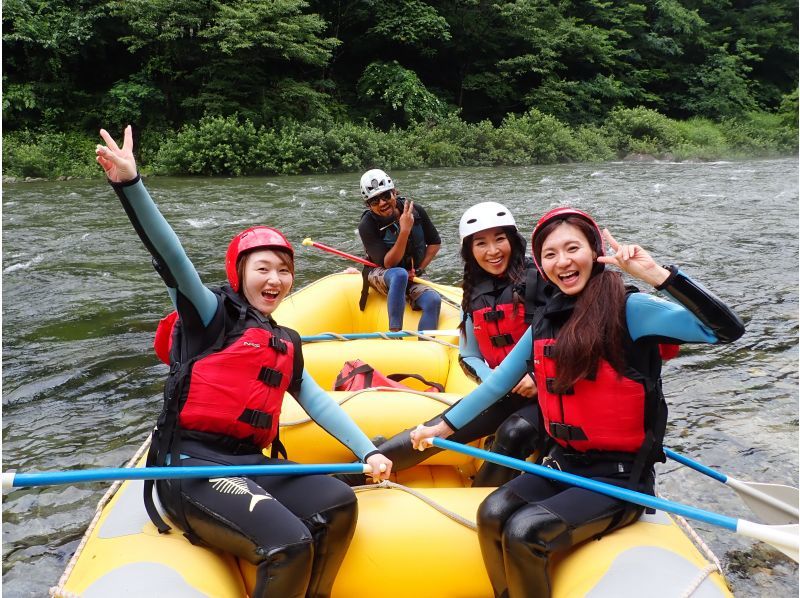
[
  {"x": 567, "y": 258},
  {"x": 491, "y": 249},
  {"x": 266, "y": 279},
  {"x": 383, "y": 205}
]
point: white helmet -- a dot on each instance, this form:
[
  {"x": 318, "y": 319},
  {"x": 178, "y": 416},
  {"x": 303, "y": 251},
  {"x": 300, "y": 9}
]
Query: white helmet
[
  {"x": 375, "y": 182},
  {"x": 483, "y": 216}
]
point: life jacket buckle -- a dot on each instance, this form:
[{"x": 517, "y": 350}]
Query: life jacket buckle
[
  {"x": 278, "y": 344},
  {"x": 256, "y": 418},
  {"x": 550, "y": 384},
  {"x": 567, "y": 432},
  {"x": 270, "y": 377},
  {"x": 502, "y": 340},
  {"x": 494, "y": 315}
]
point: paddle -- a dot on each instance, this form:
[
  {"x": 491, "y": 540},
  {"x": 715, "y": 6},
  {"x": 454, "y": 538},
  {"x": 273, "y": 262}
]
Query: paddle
[
  {"x": 438, "y": 288},
  {"x": 12, "y": 479},
  {"x": 783, "y": 537},
  {"x": 773, "y": 503},
  {"x": 335, "y": 336}
]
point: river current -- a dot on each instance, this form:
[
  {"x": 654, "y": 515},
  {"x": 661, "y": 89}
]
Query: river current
[{"x": 81, "y": 385}]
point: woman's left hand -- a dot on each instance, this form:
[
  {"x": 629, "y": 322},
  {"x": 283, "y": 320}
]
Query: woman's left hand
[
  {"x": 526, "y": 387},
  {"x": 634, "y": 260},
  {"x": 375, "y": 461}
]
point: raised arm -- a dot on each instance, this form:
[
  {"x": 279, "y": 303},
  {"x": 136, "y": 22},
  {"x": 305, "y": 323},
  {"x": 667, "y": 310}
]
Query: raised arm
[
  {"x": 704, "y": 317},
  {"x": 169, "y": 257}
]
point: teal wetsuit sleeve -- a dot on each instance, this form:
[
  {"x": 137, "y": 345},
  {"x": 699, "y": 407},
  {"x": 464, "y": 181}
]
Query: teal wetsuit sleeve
[
  {"x": 324, "y": 410},
  {"x": 502, "y": 379},
  {"x": 164, "y": 245},
  {"x": 471, "y": 353},
  {"x": 648, "y": 315}
]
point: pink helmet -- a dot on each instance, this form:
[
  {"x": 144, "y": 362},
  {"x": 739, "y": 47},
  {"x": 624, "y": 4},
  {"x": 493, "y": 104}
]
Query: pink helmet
[
  {"x": 563, "y": 213},
  {"x": 253, "y": 238}
]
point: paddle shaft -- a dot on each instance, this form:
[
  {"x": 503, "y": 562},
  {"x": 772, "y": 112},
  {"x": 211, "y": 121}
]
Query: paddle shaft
[
  {"x": 784, "y": 538},
  {"x": 332, "y": 336},
  {"x": 11, "y": 479},
  {"x": 350, "y": 256}
]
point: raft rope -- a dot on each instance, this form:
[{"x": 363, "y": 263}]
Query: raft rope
[
  {"x": 437, "y": 396},
  {"x": 713, "y": 567},
  {"x": 426, "y": 499},
  {"x": 58, "y": 590},
  {"x": 383, "y": 335}
]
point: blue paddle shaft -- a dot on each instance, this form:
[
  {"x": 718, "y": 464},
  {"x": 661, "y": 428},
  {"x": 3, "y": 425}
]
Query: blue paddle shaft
[
  {"x": 328, "y": 336},
  {"x": 638, "y": 498},
  {"x": 20, "y": 480},
  {"x": 720, "y": 477}
]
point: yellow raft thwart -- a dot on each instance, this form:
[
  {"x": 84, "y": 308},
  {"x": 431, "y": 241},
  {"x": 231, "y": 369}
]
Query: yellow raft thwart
[{"x": 415, "y": 535}]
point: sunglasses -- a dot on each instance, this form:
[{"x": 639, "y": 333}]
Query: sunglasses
[{"x": 374, "y": 201}]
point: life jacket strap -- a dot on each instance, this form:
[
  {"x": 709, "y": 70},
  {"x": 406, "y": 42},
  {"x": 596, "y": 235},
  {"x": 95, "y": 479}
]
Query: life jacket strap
[
  {"x": 494, "y": 315},
  {"x": 277, "y": 344},
  {"x": 502, "y": 340},
  {"x": 567, "y": 432},
  {"x": 256, "y": 418},
  {"x": 550, "y": 383},
  {"x": 270, "y": 377}
]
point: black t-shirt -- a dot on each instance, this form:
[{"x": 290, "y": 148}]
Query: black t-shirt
[{"x": 373, "y": 237}]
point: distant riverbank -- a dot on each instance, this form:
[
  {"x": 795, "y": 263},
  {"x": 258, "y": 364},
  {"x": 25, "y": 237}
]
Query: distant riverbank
[{"x": 232, "y": 146}]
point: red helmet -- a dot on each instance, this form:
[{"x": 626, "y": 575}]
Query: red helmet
[
  {"x": 563, "y": 213},
  {"x": 253, "y": 238}
]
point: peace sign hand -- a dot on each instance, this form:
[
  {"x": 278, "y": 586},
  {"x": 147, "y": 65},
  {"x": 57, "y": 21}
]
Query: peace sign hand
[
  {"x": 407, "y": 216},
  {"x": 634, "y": 260},
  {"x": 119, "y": 164}
]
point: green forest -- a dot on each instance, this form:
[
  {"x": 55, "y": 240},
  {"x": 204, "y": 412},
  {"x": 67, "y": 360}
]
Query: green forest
[{"x": 249, "y": 87}]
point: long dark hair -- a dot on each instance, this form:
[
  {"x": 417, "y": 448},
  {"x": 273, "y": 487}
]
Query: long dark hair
[
  {"x": 596, "y": 329},
  {"x": 515, "y": 273}
]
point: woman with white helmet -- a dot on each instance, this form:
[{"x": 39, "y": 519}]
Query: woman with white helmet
[
  {"x": 400, "y": 238},
  {"x": 497, "y": 279},
  {"x": 230, "y": 366}
]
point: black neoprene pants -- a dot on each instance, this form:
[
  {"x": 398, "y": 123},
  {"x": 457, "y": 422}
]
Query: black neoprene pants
[
  {"x": 295, "y": 529},
  {"x": 522, "y": 523}
]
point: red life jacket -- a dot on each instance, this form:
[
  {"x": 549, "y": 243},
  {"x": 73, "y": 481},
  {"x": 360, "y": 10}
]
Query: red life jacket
[
  {"x": 235, "y": 388},
  {"x": 497, "y": 323},
  {"x": 606, "y": 413}
]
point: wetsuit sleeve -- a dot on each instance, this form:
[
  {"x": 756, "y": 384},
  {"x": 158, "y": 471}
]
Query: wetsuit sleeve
[
  {"x": 428, "y": 229},
  {"x": 333, "y": 419},
  {"x": 502, "y": 379},
  {"x": 169, "y": 258},
  {"x": 470, "y": 353},
  {"x": 698, "y": 317},
  {"x": 373, "y": 244}
]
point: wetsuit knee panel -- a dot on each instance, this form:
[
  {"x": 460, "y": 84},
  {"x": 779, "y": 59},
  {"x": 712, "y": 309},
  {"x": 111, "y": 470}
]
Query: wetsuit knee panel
[
  {"x": 538, "y": 528},
  {"x": 497, "y": 508},
  {"x": 517, "y": 431}
]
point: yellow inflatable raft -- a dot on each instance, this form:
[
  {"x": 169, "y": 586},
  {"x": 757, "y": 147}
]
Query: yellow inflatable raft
[{"x": 415, "y": 535}]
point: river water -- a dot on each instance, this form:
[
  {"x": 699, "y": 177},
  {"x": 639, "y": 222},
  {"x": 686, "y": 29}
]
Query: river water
[{"x": 81, "y": 385}]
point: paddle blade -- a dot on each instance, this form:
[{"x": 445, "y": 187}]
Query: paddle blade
[
  {"x": 785, "y": 538},
  {"x": 775, "y": 504}
]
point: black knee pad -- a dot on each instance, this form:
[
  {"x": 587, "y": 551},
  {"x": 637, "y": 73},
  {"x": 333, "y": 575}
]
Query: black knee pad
[
  {"x": 496, "y": 509},
  {"x": 538, "y": 529},
  {"x": 516, "y": 435}
]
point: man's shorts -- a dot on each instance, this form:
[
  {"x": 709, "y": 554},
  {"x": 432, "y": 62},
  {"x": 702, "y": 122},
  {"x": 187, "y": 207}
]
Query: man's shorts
[{"x": 414, "y": 290}]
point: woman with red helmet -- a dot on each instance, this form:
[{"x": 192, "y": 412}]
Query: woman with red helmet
[
  {"x": 594, "y": 348},
  {"x": 230, "y": 364}
]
